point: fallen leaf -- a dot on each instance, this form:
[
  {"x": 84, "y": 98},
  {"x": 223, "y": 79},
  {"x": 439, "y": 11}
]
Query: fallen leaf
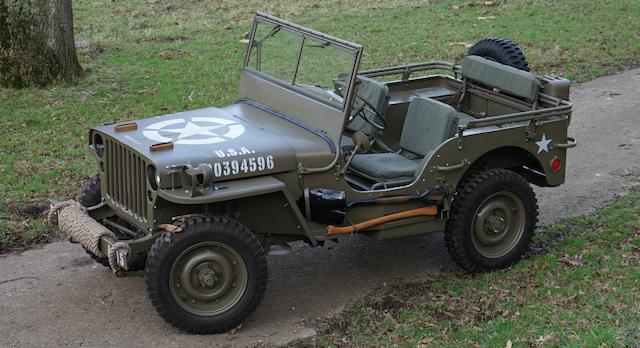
[
  {"x": 543, "y": 339},
  {"x": 490, "y": 3},
  {"x": 170, "y": 228},
  {"x": 235, "y": 329},
  {"x": 509, "y": 344},
  {"x": 461, "y": 43},
  {"x": 569, "y": 260},
  {"x": 426, "y": 340}
]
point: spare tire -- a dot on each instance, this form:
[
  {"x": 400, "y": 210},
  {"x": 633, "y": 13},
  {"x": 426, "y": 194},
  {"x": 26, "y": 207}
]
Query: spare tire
[{"x": 502, "y": 51}]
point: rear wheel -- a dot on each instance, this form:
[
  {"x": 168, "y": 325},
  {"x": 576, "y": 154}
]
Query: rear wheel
[
  {"x": 207, "y": 278},
  {"x": 492, "y": 220},
  {"x": 502, "y": 51}
]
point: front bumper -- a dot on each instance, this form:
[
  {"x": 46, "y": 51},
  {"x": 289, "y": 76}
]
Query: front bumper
[{"x": 77, "y": 223}]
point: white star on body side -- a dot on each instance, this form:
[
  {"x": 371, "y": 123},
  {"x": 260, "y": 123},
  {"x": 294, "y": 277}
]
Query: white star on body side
[
  {"x": 543, "y": 144},
  {"x": 193, "y": 129}
]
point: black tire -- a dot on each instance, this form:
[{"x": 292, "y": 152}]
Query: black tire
[
  {"x": 168, "y": 254},
  {"x": 90, "y": 193},
  {"x": 469, "y": 240},
  {"x": 88, "y": 197},
  {"x": 502, "y": 51}
]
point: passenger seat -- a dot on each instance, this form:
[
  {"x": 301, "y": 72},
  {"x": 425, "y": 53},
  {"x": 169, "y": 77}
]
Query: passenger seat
[{"x": 428, "y": 124}]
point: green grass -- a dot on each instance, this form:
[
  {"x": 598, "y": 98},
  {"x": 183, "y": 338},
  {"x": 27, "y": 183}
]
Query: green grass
[
  {"x": 581, "y": 292},
  {"x": 152, "y": 57}
]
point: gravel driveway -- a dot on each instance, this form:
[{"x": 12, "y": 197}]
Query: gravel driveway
[{"x": 56, "y": 295}]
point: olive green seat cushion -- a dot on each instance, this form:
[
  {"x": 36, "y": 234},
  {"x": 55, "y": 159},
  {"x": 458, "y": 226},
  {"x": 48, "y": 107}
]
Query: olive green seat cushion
[
  {"x": 381, "y": 167},
  {"x": 428, "y": 124},
  {"x": 506, "y": 78}
]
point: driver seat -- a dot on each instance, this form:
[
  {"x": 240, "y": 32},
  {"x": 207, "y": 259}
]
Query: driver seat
[
  {"x": 428, "y": 124},
  {"x": 377, "y": 94}
]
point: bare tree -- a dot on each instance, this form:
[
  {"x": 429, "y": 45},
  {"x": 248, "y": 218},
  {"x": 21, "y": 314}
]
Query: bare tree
[{"x": 37, "y": 47}]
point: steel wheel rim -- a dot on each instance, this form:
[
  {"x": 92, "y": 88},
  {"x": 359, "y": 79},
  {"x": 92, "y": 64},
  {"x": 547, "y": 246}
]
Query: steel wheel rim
[
  {"x": 208, "y": 278},
  {"x": 498, "y": 224}
]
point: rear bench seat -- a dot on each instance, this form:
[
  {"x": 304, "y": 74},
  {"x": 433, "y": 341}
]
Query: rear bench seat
[{"x": 505, "y": 78}]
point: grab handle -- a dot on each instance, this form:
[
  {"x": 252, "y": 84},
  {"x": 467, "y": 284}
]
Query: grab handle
[{"x": 571, "y": 142}]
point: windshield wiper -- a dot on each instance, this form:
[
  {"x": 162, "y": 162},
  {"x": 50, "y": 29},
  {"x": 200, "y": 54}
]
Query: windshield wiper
[
  {"x": 258, "y": 46},
  {"x": 319, "y": 45},
  {"x": 273, "y": 31}
]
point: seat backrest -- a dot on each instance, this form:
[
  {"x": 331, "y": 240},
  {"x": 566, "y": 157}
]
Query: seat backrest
[
  {"x": 427, "y": 125},
  {"x": 375, "y": 93},
  {"x": 503, "y": 77}
]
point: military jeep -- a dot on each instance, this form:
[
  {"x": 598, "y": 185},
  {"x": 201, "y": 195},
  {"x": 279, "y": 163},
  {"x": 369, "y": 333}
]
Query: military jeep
[{"x": 191, "y": 199}]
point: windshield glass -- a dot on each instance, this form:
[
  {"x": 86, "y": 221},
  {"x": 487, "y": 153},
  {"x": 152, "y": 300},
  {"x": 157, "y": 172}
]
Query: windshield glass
[{"x": 318, "y": 67}]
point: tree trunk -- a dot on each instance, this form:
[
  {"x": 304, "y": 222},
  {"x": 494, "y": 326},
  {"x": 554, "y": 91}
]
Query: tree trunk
[{"x": 37, "y": 47}]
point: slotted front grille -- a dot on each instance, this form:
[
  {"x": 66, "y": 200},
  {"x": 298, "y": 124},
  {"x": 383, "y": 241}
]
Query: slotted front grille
[{"x": 126, "y": 183}]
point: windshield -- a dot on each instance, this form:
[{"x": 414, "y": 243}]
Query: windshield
[{"x": 319, "y": 67}]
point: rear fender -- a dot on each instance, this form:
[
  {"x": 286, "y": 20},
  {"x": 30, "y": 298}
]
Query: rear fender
[{"x": 506, "y": 147}]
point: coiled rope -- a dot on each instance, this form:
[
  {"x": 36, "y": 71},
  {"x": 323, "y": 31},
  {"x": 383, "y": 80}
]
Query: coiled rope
[{"x": 72, "y": 219}]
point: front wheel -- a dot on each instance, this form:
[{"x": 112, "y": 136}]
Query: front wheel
[
  {"x": 207, "y": 278},
  {"x": 493, "y": 217}
]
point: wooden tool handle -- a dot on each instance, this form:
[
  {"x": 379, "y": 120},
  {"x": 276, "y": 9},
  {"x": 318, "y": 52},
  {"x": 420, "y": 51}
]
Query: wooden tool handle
[{"x": 424, "y": 211}]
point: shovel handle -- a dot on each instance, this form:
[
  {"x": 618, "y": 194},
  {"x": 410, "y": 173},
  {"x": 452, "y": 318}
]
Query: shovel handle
[{"x": 424, "y": 211}]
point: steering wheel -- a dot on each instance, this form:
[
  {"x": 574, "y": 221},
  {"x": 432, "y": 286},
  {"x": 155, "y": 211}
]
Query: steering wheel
[
  {"x": 367, "y": 106},
  {"x": 341, "y": 87}
]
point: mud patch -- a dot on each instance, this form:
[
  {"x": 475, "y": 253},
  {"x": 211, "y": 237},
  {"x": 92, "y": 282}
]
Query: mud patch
[
  {"x": 630, "y": 173},
  {"x": 86, "y": 48},
  {"x": 80, "y": 262},
  {"x": 171, "y": 53},
  {"x": 31, "y": 210},
  {"x": 165, "y": 39}
]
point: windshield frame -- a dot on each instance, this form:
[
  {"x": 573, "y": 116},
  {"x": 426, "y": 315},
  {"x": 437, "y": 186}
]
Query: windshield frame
[{"x": 304, "y": 33}]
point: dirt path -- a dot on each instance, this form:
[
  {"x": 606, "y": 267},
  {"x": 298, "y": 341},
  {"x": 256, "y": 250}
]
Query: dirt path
[{"x": 58, "y": 296}]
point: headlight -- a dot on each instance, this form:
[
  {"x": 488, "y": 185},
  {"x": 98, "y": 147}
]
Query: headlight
[
  {"x": 199, "y": 177},
  {"x": 152, "y": 177},
  {"x": 98, "y": 145}
]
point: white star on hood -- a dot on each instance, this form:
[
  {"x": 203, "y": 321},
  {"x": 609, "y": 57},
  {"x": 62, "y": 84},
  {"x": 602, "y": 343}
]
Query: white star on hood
[
  {"x": 543, "y": 144},
  {"x": 193, "y": 129}
]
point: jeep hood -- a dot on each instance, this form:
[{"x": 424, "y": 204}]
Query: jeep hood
[{"x": 242, "y": 140}]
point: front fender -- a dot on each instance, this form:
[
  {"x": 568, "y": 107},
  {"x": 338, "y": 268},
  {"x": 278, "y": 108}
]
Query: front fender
[
  {"x": 258, "y": 195},
  {"x": 225, "y": 191}
]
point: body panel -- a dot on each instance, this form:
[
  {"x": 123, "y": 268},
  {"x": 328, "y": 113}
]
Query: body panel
[{"x": 254, "y": 159}]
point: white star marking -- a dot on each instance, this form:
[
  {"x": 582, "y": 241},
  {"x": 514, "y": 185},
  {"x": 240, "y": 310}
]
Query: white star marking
[
  {"x": 193, "y": 129},
  {"x": 543, "y": 144},
  {"x": 196, "y": 130}
]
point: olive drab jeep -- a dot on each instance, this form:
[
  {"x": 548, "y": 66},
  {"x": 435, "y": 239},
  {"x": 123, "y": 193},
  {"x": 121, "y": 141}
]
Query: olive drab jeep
[{"x": 328, "y": 150}]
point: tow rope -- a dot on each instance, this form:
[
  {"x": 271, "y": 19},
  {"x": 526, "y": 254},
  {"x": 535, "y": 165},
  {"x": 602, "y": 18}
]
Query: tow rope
[{"x": 72, "y": 220}]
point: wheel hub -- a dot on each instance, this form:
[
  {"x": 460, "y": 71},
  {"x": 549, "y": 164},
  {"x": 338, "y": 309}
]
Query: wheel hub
[
  {"x": 498, "y": 224},
  {"x": 208, "y": 278},
  {"x": 495, "y": 223}
]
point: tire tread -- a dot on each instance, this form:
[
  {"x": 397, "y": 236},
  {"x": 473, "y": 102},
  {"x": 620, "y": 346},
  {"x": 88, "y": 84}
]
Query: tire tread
[
  {"x": 155, "y": 262},
  {"x": 502, "y": 50},
  {"x": 463, "y": 203}
]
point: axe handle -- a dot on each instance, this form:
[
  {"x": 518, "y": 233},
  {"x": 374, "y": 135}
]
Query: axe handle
[{"x": 424, "y": 211}]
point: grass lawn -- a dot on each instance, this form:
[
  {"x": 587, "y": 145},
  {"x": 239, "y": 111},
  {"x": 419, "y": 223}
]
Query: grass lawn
[
  {"x": 146, "y": 58},
  {"x": 580, "y": 290}
]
